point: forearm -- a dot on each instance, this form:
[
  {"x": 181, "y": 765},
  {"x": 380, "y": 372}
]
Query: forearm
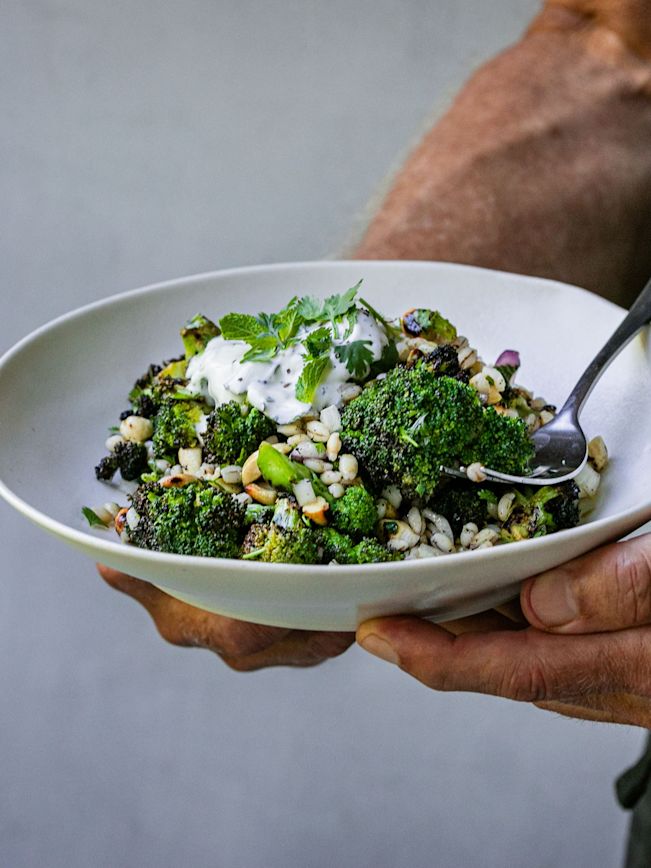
[{"x": 541, "y": 166}]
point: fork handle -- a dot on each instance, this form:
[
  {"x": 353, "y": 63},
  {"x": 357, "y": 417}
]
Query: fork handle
[{"x": 638, "y": 316}]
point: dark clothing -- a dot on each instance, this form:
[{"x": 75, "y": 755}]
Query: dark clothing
[{"x": 634, "y": 793}]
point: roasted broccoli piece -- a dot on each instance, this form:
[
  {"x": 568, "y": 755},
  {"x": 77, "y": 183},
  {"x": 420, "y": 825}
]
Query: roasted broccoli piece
[
  {"x": 196, "y": 333},
  {"x": 175, "y": 426},
  {"x": 339, "y": 547},
  {"x": 404, "y": 427},
  {"x": 503, "y": 444},
  {"x": 355, "y": 512},
  {"x": 461, "y": 502},
  {"x": 128, "y": 457},
  {"x": 444, "y": 362},
  {"x": 156, "y": 384},
  {"x": 335, "y": 546},
  {"x": 539, "y": 511},
  {"x": 197, "y": 519},
  {"x": 428, "y": 324},
  {"x": 232, "y": 434},
  {"x": 285, "y": 538},
  {"x": 370, "y": 551}
]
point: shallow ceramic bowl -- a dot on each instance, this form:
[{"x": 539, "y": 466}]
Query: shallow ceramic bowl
[{"x": 61, "y": 387}]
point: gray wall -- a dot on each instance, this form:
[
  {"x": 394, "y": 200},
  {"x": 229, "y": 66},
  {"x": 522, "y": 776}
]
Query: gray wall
[{"x": 145, "y": 140}]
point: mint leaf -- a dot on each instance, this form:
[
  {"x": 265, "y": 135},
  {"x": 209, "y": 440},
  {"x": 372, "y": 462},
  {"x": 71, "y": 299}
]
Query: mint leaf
[
  {"x": 288, "y": 322},
  {"x": 318, "y": 342},
  {"x": 92, "y": 518},
  {"x": 357, "y": 357},
  {"x": 311, "y": 376},
  {"x": 240, "y": 327},
  {"x": 262, "y": 350}
]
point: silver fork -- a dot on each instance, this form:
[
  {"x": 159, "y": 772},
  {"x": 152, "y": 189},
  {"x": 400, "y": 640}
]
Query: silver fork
[{"x": 560, "y": 446}]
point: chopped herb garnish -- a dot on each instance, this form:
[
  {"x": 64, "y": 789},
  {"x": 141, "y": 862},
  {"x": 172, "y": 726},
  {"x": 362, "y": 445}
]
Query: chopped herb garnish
[
  {"x": 311, "y": 376},
  {"x": 357, "y": 357}
]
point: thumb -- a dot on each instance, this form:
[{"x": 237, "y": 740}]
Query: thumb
[{"x": 607, "y": 589}]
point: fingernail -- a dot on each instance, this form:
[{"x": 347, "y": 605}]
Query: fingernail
[
  {"x": 380, "y": 648},
  {"x": 552, "y": 601}
]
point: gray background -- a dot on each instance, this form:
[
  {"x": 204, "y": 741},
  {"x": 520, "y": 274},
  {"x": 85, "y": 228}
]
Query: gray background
[{"x": 145, "y": 140}]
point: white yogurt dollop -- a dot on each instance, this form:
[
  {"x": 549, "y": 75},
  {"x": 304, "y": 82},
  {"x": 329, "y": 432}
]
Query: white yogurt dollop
[{"x": 220, "y": 375}]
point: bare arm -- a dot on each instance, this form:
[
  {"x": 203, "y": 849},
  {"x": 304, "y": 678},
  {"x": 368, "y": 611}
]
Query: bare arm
[{"x": 542, "y": 165}]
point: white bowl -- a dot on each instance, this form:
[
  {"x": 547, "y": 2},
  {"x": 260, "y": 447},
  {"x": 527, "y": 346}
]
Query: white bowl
[{"x": 63, "y": 385}]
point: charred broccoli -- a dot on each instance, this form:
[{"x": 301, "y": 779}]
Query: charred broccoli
[
  {"x": 403, "y": 428},
  {"x": 460, "y": 502},
  {"x": 232, "y": 434},
  {"x": 197, "y": 519},
  {"x": 539, "y": 511},
  {"x": 175, "y": 426},
  {"x": 196, "y": 333},
  {"x": 128, "y": 457},
  {"x": 339, "y": 547},
  {"x": 284, "y": 538}
]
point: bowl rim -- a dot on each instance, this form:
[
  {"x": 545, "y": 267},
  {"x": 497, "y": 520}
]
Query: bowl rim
[{"x": 633, "y": 517}]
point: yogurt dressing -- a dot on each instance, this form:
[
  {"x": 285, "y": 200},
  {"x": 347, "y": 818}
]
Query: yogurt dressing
[{"x": 220, "y": 375}]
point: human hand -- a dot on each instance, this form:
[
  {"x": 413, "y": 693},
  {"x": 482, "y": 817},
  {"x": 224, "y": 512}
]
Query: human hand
[
  {"x": 584, "y": 650},
  {"x": 242, "y": 646}
]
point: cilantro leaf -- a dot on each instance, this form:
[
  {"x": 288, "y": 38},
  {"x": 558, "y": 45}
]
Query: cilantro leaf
[
  {"x": 240, "y": 327},
  {"x": 311, "y": 376},
  {"x": 314, "y": 310},
  {"x": 357, "y": 357}
]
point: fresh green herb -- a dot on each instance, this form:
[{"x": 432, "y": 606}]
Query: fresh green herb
[
  {"x": 311, "y": 376},
  {"x": 487, "y": 495},
  {"x": 318, "y": 342},
  {"x": 240, "y": 327},
  {"x": 314, "y": 310},
  {"x": 91, "y": 517},
  {"x": 357, "y": 357}
]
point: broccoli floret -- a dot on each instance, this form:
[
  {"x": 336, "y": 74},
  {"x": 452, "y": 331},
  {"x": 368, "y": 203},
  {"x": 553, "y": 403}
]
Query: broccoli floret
[
  {"x": 231, "y": 437},
  {"x": 174, "y": 426},
  {"x": 370, "y": 551},
  {"x": 539, "y": 511},
  {"x": 284, "y": 539},
  {"x": 132, "y": 459},
  {"x": 196, "y": 333},
  {"x": 504, "y": 443},
  {"x": 128, "y": 457},
  {"x": 355, "y": 512},
  {"x": 404, "y": 427},
  {"x": 444, "y": 362},
  {"x": 197, "y": 519},
  {"x": 337, "y": 546},
  {"x": 107, "y": 468},
  {"x": 460, "y": 502}
]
